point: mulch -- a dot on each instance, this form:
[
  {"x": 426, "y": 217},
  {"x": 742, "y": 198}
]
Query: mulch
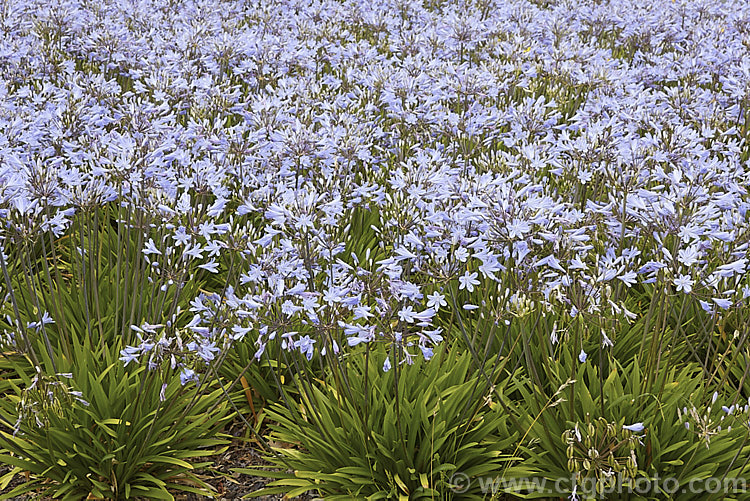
[{"x": 231, "y": 485}]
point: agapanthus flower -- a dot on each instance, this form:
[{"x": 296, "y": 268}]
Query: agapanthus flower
[
  {"x": 684, "y": 283},
  {"x": 45, "y": 320},
  {"x": 436, "y": 300},
  {"x": 635, "y": 427},
  {"x": 188, "y": 375},
  {"x": 130, "y": 354},
  {"x": 305, "y": 345},
  {"x": 468, "y": 281}
]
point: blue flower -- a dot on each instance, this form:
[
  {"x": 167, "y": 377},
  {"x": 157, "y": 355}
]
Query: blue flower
[
  {"x": 151, "y": 248},
  {"x": 468, "y": 281},
  {"x": 387, "y": 364},
  {"x": 130, "y": 354},
  {"x": 45, "y": 320},
  {"x": 305, "y": 345},
  {"x": 188, "y": 375},
  {"x": 684, "y": 283},
  {"x": 436, "y": 300},
  {"x": 635, "y": 427}
]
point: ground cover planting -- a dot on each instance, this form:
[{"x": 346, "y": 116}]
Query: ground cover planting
[{"x": 478, "y": 249}]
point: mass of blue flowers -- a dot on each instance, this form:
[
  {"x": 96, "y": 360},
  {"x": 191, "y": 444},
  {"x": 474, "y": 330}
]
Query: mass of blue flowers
[{"x": 535, "y": 184}]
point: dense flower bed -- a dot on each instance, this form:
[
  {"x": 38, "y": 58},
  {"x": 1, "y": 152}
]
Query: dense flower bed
[{"x": 192, "y": 183}]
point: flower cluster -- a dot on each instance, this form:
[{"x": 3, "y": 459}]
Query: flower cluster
[
  {"x": 706, "y": 424},
  {"x": 46, "y": 396}
]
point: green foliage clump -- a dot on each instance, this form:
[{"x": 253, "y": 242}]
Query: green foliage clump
[{"x": 400, "y": 434}]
